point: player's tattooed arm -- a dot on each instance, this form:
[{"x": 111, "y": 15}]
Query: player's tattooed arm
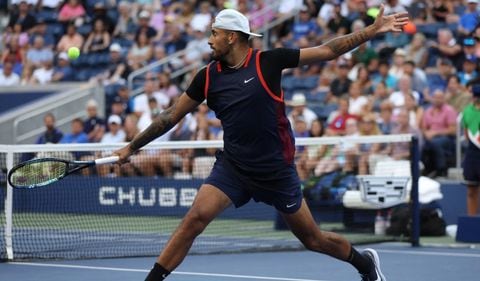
[
  {"x": 345, "y": 43},
  {"x": 340, "y": 45},
  {"x": 166, "y": 120}
]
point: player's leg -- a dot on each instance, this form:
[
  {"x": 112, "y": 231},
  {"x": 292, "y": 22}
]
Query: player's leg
[
  {"x": 209, "y": 202},
  {"x": 306, "y": 230},
  {"x": 473, "y": 192}
]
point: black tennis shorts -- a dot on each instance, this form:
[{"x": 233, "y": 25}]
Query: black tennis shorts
[{"x": 281, "y": 189}]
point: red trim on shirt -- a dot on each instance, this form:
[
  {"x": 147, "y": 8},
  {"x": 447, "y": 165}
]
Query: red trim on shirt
[
  {"x": 207, "y": 81},
  {"x": 219, "y": 67},
  {"x": 250, "y": 51},
  {"x": 264, "y": 83}
]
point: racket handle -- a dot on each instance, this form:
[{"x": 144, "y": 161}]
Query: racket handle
[{"x": 107, "y": 160}]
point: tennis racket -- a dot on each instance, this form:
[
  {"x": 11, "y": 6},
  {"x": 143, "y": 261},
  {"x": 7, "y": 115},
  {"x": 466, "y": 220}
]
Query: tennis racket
[{"x": 44, "y": 171}]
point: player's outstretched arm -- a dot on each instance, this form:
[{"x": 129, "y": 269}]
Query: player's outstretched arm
[
  {"x": 342, "y": 44},
  {"x": 160, "y": 125}
]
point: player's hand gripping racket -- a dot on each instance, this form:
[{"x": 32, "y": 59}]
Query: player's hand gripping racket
[{"x": 44, "y": 171}]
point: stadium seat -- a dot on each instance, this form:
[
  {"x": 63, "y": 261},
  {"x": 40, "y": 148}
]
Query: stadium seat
[{"x": 47, "y": 16}]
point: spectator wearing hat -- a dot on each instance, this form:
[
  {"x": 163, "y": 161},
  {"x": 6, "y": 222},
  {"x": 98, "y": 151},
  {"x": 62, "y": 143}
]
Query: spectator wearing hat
[
  {"x": 115, "y": 134},
  {"x": 439, "y": 128},
  {"x": 62, "y": 71},
  {"x": 469, "y": 19},
  {"x": 98, "y": 40},
  {"x": 338, "y": 24},
  {"x": 469, "y": 70},
  {"x": 94, "y": 126},
  {"x": 117, "y": 70},
  {"x": 118, "y": 108},
  {"x": 144, "y": 25},
  {"x": 341, "y": 83},
  {"x": 300, "y": 110},
  {"x": 70, "y": 39},
  {"x": 471, "y": 162},
  {"x": 469, "y": 48}
]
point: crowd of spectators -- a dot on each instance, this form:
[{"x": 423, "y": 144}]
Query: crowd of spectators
[{"x": 415, "y": 82}]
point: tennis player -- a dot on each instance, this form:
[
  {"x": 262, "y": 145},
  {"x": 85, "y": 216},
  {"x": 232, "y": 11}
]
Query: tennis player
[{"x": 243, "y": 87}]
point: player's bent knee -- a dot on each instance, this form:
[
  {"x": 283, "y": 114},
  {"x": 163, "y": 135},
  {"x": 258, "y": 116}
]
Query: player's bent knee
[{"x": 195, "y": 222}]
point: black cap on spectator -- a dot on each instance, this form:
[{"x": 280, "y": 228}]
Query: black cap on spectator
[{"x": 476, "y": 90}]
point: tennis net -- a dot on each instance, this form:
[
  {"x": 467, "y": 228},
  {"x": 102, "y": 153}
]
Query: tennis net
[{"x": 131, "y": 211}]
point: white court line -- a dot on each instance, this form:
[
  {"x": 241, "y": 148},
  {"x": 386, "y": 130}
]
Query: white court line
[
  {"x": 424, "y": 253},
  {"x": 175, "y": 272}
]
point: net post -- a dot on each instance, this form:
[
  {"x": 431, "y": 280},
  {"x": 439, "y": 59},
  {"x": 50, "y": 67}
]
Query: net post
[
  {"x": 9, "y": 211},
  {"x": 415, "y": 215}
]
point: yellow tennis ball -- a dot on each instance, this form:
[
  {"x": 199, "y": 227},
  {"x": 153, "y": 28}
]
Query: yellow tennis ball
[
  {"x": 373, "y": 12},
  {"x": 73, "y": 53}
]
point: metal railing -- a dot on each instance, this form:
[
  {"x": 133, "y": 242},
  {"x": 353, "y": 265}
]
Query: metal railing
[
  {"x": 65, "y": 105},
  {"x": 458, "y": 142}
]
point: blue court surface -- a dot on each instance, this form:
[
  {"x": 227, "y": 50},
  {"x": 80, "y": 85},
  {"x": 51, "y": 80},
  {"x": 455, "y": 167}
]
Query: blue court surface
[{"x": 400, "y": 262}]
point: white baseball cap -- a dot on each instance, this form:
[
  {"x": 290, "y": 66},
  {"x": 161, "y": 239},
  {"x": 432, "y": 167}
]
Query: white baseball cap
[
  {"x": 231, "y": 19},
  {"x": 114, "y": 119}
]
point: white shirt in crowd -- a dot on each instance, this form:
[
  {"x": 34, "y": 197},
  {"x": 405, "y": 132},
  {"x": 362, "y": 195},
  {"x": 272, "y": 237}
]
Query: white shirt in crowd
[
  {"x": 356, "y": 105},
  {"x": 108, "y": 137},
  {"x": 140, "y": 102},
  {"x": 42, "y": 75},
  {"x": 11, "y": 80}
]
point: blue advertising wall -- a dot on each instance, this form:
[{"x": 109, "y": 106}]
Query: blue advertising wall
[
  {"x": 10, "y": 101},
  {"x": 125, "y": 196}
]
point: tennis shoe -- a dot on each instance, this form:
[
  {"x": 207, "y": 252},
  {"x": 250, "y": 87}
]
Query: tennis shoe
[{"x": 376, "y": 274}]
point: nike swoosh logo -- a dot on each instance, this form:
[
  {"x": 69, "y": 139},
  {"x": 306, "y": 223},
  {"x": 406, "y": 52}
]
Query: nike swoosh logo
[
  {"x": 246, "y": 81},
  {"x": 291, "y": 205}
]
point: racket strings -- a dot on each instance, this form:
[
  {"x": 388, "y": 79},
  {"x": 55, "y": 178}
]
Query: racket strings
[{"x": 38, "y": 173}]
